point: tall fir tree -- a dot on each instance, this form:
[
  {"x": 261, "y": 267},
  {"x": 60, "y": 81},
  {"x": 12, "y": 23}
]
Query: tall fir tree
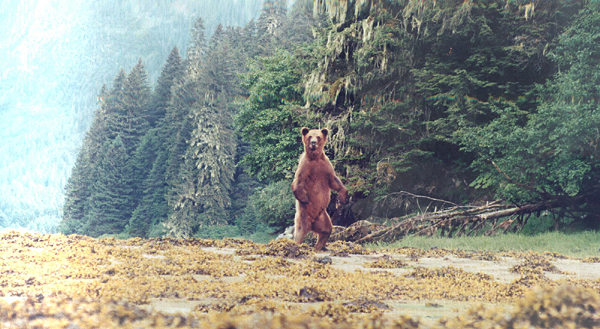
[
  {"x": 77, "y": 194},
  {"x": 110, "y": 200},
  {"x": 133, "y": 120},
  {"x": 108, "y": 178},
  {"x": 196, "y": 49},
  {"x": 153, "y": 152},
  {"x": 269, "y": 25},
  {"x": 211, "y": 145},
  {"x": 145, "y": 158},
  {"x": 79, "y": 186},
  {"x": 115, "y": 105},
  {"x": 184, "y": 218},
  {"x": 172, "y": 71}
]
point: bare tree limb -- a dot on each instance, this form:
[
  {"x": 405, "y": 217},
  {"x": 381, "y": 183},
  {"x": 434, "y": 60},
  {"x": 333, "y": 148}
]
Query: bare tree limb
[
  {"x": 458, "y": 221},
  {"x": 423, "y": 197}
]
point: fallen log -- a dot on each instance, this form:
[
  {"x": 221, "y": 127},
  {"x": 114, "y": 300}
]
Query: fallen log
[{"x": 458, "y": 220}]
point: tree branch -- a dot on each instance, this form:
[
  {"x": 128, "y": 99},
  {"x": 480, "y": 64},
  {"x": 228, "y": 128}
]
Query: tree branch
[{"x": 423, "y": 197}]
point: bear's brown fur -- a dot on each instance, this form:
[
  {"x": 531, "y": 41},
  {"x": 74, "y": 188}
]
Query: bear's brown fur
[{"x": 312, "y": 187}]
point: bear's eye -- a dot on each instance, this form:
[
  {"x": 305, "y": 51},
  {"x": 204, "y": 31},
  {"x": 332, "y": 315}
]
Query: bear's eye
[{"x": 318, "y": 138}]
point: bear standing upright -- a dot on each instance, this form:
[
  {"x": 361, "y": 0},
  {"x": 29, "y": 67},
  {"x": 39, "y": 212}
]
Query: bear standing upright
[{"x": 312, "y": 187}]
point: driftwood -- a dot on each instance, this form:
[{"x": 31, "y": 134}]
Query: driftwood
[
  {"x": 459, "y": 221},
  {"x": 355, "y": 232},
  {"x": 456, "y": 220}
]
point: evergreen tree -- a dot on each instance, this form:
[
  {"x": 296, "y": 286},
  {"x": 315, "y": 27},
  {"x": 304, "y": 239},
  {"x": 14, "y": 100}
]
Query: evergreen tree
[
  {"x": 153, "y": 153},
  {"x": 269, "y": 25},
  {"x": 553, "y": 157},
  {"x": 178, "y": 131},
  {"x": 271, "y": 117},
  {"x": 77, "y": 194},
  {"x": 218, "y": 75},
  {"x": 184, "y": 218},
  {"x": 172, "y": 71},
  {"x": 249, "y": 40},
  {"x": 118, "y": 125},
  {"x": 212, "y": 146},
  {"x": 298, "y": 25},
  {"x": 110, "y": 200},
  {"x": 133, "y": 121},
  {"x": 197, "y": 46},
  {"x": 115, "y": 105},
  {"x": 79, "y": 186}
]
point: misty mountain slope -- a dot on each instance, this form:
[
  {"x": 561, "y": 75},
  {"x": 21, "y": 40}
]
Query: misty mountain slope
[{"x": 54, "y": 58}]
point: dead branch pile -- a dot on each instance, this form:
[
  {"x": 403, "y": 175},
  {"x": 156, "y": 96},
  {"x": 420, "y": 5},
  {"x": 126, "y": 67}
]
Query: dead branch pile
[{"x": 495, "y": 217}]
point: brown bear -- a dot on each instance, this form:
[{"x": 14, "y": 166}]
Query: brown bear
[{"x": 312, "y": 187}]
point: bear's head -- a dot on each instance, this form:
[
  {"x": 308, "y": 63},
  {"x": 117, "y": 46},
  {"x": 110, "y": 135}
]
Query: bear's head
[{"x": 314, "y": 140}]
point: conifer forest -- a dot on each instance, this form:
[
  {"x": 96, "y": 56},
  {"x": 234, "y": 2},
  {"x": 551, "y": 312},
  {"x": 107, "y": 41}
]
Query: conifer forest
[{"x": 183, "y": 119}]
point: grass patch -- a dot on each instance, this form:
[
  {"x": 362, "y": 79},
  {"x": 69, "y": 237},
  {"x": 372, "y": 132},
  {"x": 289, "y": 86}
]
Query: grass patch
[{"x": 577, "y": 244}]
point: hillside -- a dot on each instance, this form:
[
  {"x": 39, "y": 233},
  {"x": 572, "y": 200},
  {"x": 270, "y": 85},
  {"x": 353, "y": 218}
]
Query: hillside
[{"x": 54, "y": 59}]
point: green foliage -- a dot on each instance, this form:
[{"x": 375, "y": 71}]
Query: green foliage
[
  {"x": 111, "y": 198},
  {"x": 274, "y": 205},
  {"x": 554, "y": 154},
  {"x": 271, "y": 116},
  {"x": 401, "y": 82},
  {"x": 171, "y": 73},
  {"x": 107, "y": 185},
  {"x": 153, "y": 207},
  {"x": 456, "y": 100},
  {"x": 77, "y": 194},
  {"x": 184, "y": 218}
]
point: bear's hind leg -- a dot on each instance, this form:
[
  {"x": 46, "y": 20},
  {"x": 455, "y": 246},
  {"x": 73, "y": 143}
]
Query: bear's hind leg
[
  {"x": 301, "y": 225},
  {"x": 323, "y": 227}
]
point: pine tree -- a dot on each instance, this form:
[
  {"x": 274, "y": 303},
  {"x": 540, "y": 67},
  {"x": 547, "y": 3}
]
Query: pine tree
[
  {"x": 171, "y": 72},
  {"x": 269, "y": 25},
  {"x": 115, "y": 105},
  {"x": 212, "y": 147},
  {"x": 133, "y": 123},
  {"x": 210, "y": 155},
  {"x": 77, "y": 194},
  {"x": 154, "y": 207},
  {"x": 184, "y": 218},
  {"x": 196, "y": 49},
  {"x": 153, "y": 152},
  {"x": 218, "y": 78},
  {"x": 110, "y": 201},
  {"x": 249, "y": 41},
  {"x": 79, "y": 186},
  {"x": 298, "y": 26}
]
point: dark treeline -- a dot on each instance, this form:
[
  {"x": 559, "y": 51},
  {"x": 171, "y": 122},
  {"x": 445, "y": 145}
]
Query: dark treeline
[{"x": 466, "y": 101}]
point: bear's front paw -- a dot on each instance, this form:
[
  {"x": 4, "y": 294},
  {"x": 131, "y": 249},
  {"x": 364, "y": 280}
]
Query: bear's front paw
[{"x": 342, "y": 198}]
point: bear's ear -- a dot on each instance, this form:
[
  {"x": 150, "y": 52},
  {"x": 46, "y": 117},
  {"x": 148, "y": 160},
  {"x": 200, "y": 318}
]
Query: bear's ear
[
  {"x": 304, "y": 131},
  {"x": 325, "y": 132}
]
